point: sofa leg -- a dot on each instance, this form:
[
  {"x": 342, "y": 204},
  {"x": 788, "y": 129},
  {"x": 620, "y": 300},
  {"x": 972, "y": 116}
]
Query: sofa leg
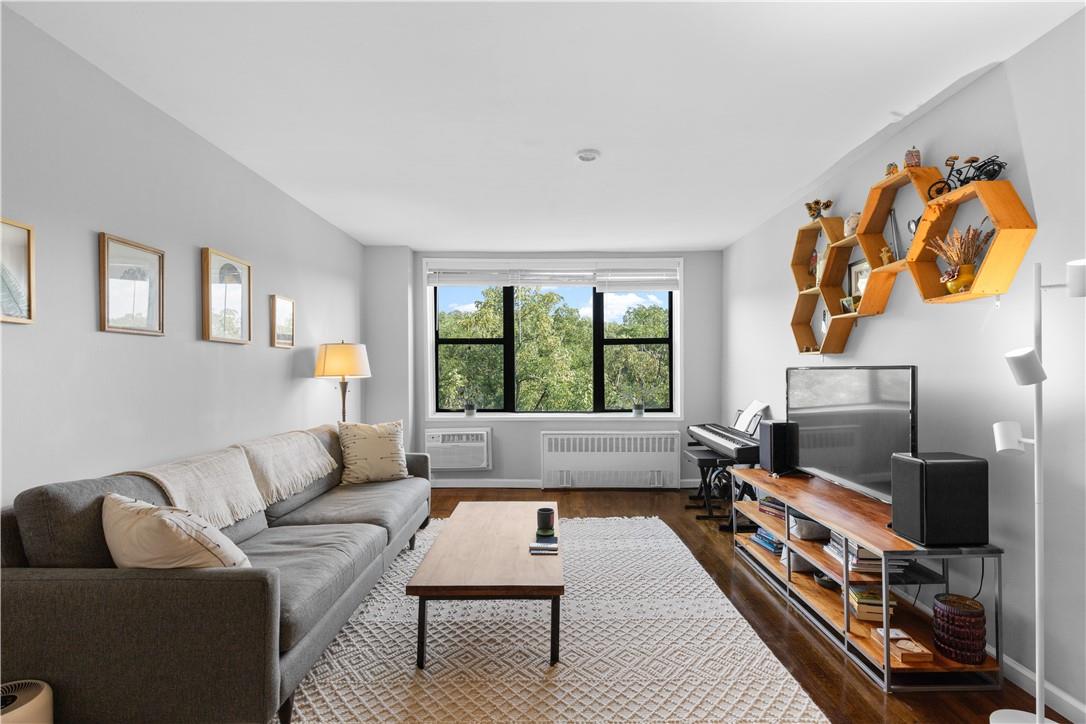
[
  {"x": 286, "y": 710},
  {"x": 411, "y": 544},
  {"x": 425, "y": 523}
]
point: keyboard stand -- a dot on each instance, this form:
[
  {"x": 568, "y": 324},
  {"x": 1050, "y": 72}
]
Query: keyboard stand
[{"x": 710, "y": 466}]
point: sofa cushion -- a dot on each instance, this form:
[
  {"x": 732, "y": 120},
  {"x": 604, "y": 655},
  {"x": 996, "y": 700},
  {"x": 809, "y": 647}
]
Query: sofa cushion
[
  {"x": 317, "y": 564},
  {"x": 387, "y": 504},
  {"x": 329, "y": 437},
  {"x": 61, "y": 523}
]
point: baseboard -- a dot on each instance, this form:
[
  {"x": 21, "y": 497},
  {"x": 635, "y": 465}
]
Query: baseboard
[
  {"x": 486, "y": 483},
  {"x": 1025, "y": 678},
  {"x": 519, "y": 482}
]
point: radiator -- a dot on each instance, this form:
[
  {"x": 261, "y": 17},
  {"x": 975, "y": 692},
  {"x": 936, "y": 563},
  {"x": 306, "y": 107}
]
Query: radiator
[{"x": 611, "y": 459}]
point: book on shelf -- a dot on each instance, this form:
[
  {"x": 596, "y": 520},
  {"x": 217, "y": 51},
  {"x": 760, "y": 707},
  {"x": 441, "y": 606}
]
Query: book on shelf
[
  {"x": 767, "y": 540},
  {"x": 866, "y": 613},
  {"x": 867, "y": 595},
  {"x": 771, "y": 506}
]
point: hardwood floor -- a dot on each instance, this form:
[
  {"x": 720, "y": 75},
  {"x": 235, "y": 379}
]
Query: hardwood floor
[{"x": 833, "y": 682}]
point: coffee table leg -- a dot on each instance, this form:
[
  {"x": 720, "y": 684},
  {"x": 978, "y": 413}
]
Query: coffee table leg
[
  {"x": 420, "y": 660},
  {"x": 555, "y": 606}
]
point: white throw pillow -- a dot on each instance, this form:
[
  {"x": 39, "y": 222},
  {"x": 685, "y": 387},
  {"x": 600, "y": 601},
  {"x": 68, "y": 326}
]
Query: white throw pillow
[
  {"x": 141, "y": 535},
  {"x": 372, "y": 452}
]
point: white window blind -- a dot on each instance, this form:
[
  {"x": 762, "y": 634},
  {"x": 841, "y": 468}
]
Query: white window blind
[{"x": 608, "y": 275}]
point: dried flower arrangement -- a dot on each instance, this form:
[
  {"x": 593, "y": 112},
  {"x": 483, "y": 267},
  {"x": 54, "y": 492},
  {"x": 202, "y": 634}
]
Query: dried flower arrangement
[
  {"x": 959, "y": 249},
  {"x": 816, "y": 207}
]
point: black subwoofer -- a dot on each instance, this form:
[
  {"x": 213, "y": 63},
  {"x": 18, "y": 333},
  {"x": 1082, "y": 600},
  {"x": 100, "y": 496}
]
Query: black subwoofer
[
  {"x": 940, "y": 499},
  {"x": 778, "y": 446}
]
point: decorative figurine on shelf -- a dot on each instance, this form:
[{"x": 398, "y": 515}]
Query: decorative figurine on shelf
[
  {"x": 816, "y": 207},
  {"x": 852, "y": 222},
  {"x": 891, "y": 168},
  {"x": 960, "y": 253},
  {"x": 812, "y": 265},
  {"x": 887, "y": 255},
  {"x": 912, "y": 158},
  {"x": 972, "y": 169},
  {"x": 820, "y": 268}
]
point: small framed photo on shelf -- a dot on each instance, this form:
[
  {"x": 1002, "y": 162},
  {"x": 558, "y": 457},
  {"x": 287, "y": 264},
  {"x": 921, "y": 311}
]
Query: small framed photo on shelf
[
  {"x": 131, "y": 286},
  {"x": 17, "y": 272},
  {"x": 228, "y": 297},
  {"x": 858, "y": 272},
  {"x": 282, "y": 322}
]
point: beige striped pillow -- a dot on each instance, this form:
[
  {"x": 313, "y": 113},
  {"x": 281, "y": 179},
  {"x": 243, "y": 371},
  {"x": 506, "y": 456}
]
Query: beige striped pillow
[{"x": 372, "y": 453}]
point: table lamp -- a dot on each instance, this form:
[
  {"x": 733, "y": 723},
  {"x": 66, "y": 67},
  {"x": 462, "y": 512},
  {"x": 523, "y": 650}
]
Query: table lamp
[{"x": 345, "y": 361}]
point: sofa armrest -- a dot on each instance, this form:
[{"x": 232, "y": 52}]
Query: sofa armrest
[
  {"x": 418, "y": 465},
  {"x": 145, "y": 645}
]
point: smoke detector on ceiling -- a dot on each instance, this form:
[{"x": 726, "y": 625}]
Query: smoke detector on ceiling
[{"x": 588, "y": 155}]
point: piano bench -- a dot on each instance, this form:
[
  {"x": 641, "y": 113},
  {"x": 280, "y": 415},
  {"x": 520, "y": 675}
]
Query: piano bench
[{"x": 706, "y": 458}]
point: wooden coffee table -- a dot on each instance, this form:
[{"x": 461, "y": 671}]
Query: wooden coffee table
[{"x": 482, "y": 553}]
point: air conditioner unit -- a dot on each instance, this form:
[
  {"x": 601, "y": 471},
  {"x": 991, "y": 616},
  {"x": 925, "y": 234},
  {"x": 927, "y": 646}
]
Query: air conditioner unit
[{"x": 459, "y": 449}]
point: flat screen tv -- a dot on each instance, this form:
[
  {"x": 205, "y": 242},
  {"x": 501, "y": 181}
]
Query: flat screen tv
[{"x": 851, "y": 420}]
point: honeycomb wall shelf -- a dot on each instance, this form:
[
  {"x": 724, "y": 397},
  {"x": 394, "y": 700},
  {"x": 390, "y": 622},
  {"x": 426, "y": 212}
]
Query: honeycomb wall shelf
[
  {"x": 869, "y": 233},
  {"x": 808, "y": 292},
  {"x": 1014, "y": 231}
]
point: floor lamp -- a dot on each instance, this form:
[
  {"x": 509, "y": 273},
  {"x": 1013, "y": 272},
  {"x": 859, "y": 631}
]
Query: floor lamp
[
  {"x": 1025, "y": 364},
  {"x": 345, "y": 361}
]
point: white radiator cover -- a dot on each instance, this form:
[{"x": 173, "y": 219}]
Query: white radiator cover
[
  {"x": 611, "y": 459},
  {"x": 459, "y": 448}
]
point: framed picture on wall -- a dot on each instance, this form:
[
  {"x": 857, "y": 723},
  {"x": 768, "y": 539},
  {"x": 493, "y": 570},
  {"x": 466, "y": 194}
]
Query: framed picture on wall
[
  {"x": 282, "y": 321},
  {"x": 858, "y": 272},
  {"x": 228, "y": 297},
  {"x": 131, "y": 286},
  {"x": 17, "y": 272}
]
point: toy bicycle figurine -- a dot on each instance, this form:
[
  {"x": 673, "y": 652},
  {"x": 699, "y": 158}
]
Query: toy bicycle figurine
[{"x": 972, "y": 169}]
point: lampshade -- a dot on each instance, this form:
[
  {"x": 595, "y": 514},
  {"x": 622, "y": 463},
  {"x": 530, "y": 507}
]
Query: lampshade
[
  {"x": 342, "y": 359},
  {"x": 1076, "y": 278},
  {"x": 1008, "y": 437},
  {"x": 1026, "y": 366}
]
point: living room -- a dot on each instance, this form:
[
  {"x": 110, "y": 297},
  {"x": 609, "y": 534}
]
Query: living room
[{"x": 543, "y": 361}]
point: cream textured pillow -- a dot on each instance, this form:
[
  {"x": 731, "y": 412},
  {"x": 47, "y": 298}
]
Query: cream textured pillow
[
  {"x": 372, "y": 452},
  {"x": 141, "y": 535}
]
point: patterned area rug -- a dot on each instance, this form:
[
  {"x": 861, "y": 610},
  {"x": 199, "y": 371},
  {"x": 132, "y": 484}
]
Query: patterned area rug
[{"x": 646, "y": 636}]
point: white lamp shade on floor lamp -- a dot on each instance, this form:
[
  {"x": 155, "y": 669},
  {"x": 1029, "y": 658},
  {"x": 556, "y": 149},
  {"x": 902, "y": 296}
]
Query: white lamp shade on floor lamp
[
  {"x": 1076, "y": 278},
  {"x": 342, "y": 359},
  {"x": 1026, "y": 366},
  {"x": 1008, "y": 437}
]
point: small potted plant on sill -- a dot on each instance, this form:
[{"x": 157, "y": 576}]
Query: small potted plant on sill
[
  {"x": 467, "y": 401},
  {"x": 960, "y": 252}
]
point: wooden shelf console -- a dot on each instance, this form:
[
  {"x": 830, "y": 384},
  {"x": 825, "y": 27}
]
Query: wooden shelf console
[{"x": 865, "y": 521}]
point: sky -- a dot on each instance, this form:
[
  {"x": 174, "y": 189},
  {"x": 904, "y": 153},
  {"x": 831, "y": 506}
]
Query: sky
[{"x": 615, "y": 304}]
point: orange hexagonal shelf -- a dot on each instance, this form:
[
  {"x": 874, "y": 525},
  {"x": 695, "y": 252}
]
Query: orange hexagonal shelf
[
  {"x": 809, "y": 293},
  {"x": 1014, "y": 230},
  {"x": 870, "y": 237}
]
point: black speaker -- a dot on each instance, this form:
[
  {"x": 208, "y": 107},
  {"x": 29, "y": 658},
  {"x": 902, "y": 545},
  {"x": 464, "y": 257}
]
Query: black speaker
[
  {"x": 940, "y": 499},
  {"x": 778, "y": 446}
]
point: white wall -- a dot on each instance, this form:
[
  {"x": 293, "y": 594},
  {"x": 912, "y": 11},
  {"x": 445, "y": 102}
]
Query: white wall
[
  {"x": 516, "y": 441},
  {"x": 389, "y": 329},
  {"x": 1029, "y": 110},
  {"x": 81, "y": 154}
]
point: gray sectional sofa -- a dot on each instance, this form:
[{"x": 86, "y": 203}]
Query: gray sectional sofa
[{"x": 222, "y": 645}]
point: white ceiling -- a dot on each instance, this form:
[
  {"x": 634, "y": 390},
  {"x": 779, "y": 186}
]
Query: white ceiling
[{"x": 447, "y": 126}]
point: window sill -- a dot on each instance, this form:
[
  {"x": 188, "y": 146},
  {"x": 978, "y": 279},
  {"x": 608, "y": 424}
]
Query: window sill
[{"x": 565, "y": 416}]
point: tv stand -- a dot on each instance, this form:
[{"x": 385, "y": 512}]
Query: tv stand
[{"x": 865, "y": 521}]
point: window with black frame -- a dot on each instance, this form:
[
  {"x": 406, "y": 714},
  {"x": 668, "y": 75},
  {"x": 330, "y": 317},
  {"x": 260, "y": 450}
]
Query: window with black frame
[{"x": 552, "y": 349}]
